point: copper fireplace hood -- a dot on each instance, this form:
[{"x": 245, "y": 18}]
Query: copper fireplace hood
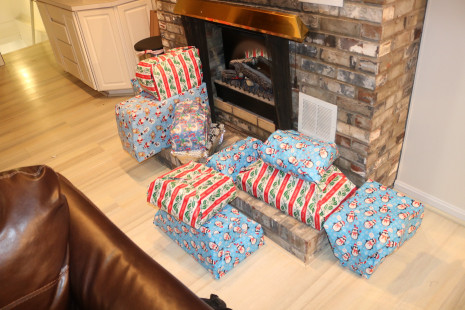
[{"x": 279, "y": 24}]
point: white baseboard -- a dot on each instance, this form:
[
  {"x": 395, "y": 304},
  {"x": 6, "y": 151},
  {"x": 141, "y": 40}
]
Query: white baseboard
[{"x": 432, "y": 201}]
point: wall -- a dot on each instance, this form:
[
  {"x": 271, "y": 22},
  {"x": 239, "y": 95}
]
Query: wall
[
  {"x": 432, "y": 166},
  {"x": 361, "y": 57}
]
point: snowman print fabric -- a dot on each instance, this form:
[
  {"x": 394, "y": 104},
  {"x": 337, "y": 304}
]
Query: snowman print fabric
[
  {"x": 372, "y": 224},
  {"x": 299, "y": 155},
  {"x": 220, "y": 244},
  {"x": 233, "y": 159}
]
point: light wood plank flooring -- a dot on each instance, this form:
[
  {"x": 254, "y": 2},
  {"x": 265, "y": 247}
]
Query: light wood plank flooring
[{"x": 49, "y": 117}]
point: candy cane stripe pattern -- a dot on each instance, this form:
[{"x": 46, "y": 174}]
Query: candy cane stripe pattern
[
  {"x": 192, "y": 193},
  {"x": 172, "y": 73},
  {"x": 307, "y": 202}
]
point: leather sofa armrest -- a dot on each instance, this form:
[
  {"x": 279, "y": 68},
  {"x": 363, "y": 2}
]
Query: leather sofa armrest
[{"x": 109, "y": 271}]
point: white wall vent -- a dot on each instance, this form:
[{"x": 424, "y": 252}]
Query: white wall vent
[{"x": 317, "y": 118}]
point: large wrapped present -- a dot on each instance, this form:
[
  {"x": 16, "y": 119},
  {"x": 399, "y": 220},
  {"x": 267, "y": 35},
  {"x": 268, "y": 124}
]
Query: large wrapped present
[
  {"x": 220, "y": 244},
  {"x": 144, "y": 123},
  {"x": 233, "y": 159},
  {"x": 300, "y": 155},
  {"x": 172, "y": 73},
  {"x": 371, "y": 225},
  {"x": 191, "y": 127},
  {"x": 309, "y": 202},
  {"x": 192, "y": 193}
]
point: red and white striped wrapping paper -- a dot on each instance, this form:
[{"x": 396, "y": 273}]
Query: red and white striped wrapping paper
[
  {"x": 192, "y": 193},
  {"x": 309, "y": 202},
  {"x": 172, "y": 73}
]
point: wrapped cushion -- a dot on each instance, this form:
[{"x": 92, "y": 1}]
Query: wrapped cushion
[
  {"x": 371, "y": 225},
  {"x": 220, "y": 244},
  {"x": 144, "y": 124},
  {"x": 192, "y": 193},
  {"x": 308, "y": 202},
  {"x": 233, "y": 159},
  {"x": 191, "y": 127},
  {"x": 299, "y": 155},
  {"x": 174, "y": 72}
]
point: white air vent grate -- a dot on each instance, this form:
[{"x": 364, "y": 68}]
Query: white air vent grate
[{"x": 317, "y": 118}]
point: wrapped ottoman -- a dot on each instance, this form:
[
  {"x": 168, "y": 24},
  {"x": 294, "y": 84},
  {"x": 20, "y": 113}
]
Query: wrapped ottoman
[
  {"x": 220, "y": 244},
  {"x": 192, "y": 193},
  {"x": 172, "y": 73},
  {"x": 309, "y": 202},
  {"x": 144, "y": 123},
  {"x": 371, "y": 225}
]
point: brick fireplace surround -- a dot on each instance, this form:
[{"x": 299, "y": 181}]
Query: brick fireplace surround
[{"x": 361, "y": 57}]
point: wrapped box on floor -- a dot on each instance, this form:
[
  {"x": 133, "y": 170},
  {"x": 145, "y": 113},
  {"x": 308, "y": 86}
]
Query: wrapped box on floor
[
  {"x": 144, "y": 123},
  {"x": 372, "y": 224},
  {"x": 220, "y": 244}
]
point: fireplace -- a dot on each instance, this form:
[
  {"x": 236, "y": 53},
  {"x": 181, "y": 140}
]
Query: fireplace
[
  {"x": 360, "y": 57},
  {"x": 248, "y": 61}
]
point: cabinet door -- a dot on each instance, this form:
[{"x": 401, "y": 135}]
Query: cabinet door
[
  {"x": 135, "y": 26},
  {"x": 102, "y": 40},
  {"x": 47, "y": 20},
  {"x": 80, "y": 57}
]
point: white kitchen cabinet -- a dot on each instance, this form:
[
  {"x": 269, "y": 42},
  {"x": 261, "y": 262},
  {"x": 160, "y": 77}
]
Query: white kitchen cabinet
[{"x": 95, "y": 41}]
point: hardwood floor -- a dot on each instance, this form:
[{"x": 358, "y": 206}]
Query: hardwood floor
[{"x": 49, "y": 117}]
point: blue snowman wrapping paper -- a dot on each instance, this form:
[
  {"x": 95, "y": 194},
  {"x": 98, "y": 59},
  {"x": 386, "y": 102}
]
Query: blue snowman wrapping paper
[
  {"x": 233, "y": 159},
  {"x": 144, "y": 123},
  {"x": 220, "y": 244},
  {"x": 299, "y": 155},
  {"x": 372, "y": 224}
]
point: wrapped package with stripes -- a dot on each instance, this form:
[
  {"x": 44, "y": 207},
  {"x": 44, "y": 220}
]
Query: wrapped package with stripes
[
  {"x": 172, "y": 73},
  {"x": 309, "y": 202},
  {"x": 192, "y": 193}
]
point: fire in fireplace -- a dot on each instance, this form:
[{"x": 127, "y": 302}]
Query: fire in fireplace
[
  {"x": 246, "y": 79},
  {"x": 255, "y": 43}
]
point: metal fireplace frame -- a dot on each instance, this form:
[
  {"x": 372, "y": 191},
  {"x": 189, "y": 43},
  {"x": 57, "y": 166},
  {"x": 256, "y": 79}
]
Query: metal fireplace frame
[{"x": 276, "y": 28}]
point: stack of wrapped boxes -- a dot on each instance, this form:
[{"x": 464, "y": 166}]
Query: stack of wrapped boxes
[
  {"x": 171, "y": 108},
  {"x": 295, "y": 174}
]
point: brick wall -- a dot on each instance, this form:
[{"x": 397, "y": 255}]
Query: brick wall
[{"x": 361, "y": 57}]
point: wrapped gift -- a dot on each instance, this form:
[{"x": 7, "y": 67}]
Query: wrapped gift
[
  {"x": 192, "y": 193},
  {"x": 172, "y": 73},
  {"x": 372, "y": 224},
  {"x": 300, "y": 155},
  {"x": 309, "y": 202},
  {"x": 191, "y": 127},
  {"x": 144, "y": 124},
  {"x": 220, "y": 244},
  {"x": 234, "y": 158}
]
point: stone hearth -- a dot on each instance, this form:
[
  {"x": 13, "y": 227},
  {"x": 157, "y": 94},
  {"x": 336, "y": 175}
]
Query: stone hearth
[{"x": 361, "y": 57}]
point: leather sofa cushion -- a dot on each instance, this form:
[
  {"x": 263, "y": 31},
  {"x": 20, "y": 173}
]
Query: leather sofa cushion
[{"x": 34, "y": 228}]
